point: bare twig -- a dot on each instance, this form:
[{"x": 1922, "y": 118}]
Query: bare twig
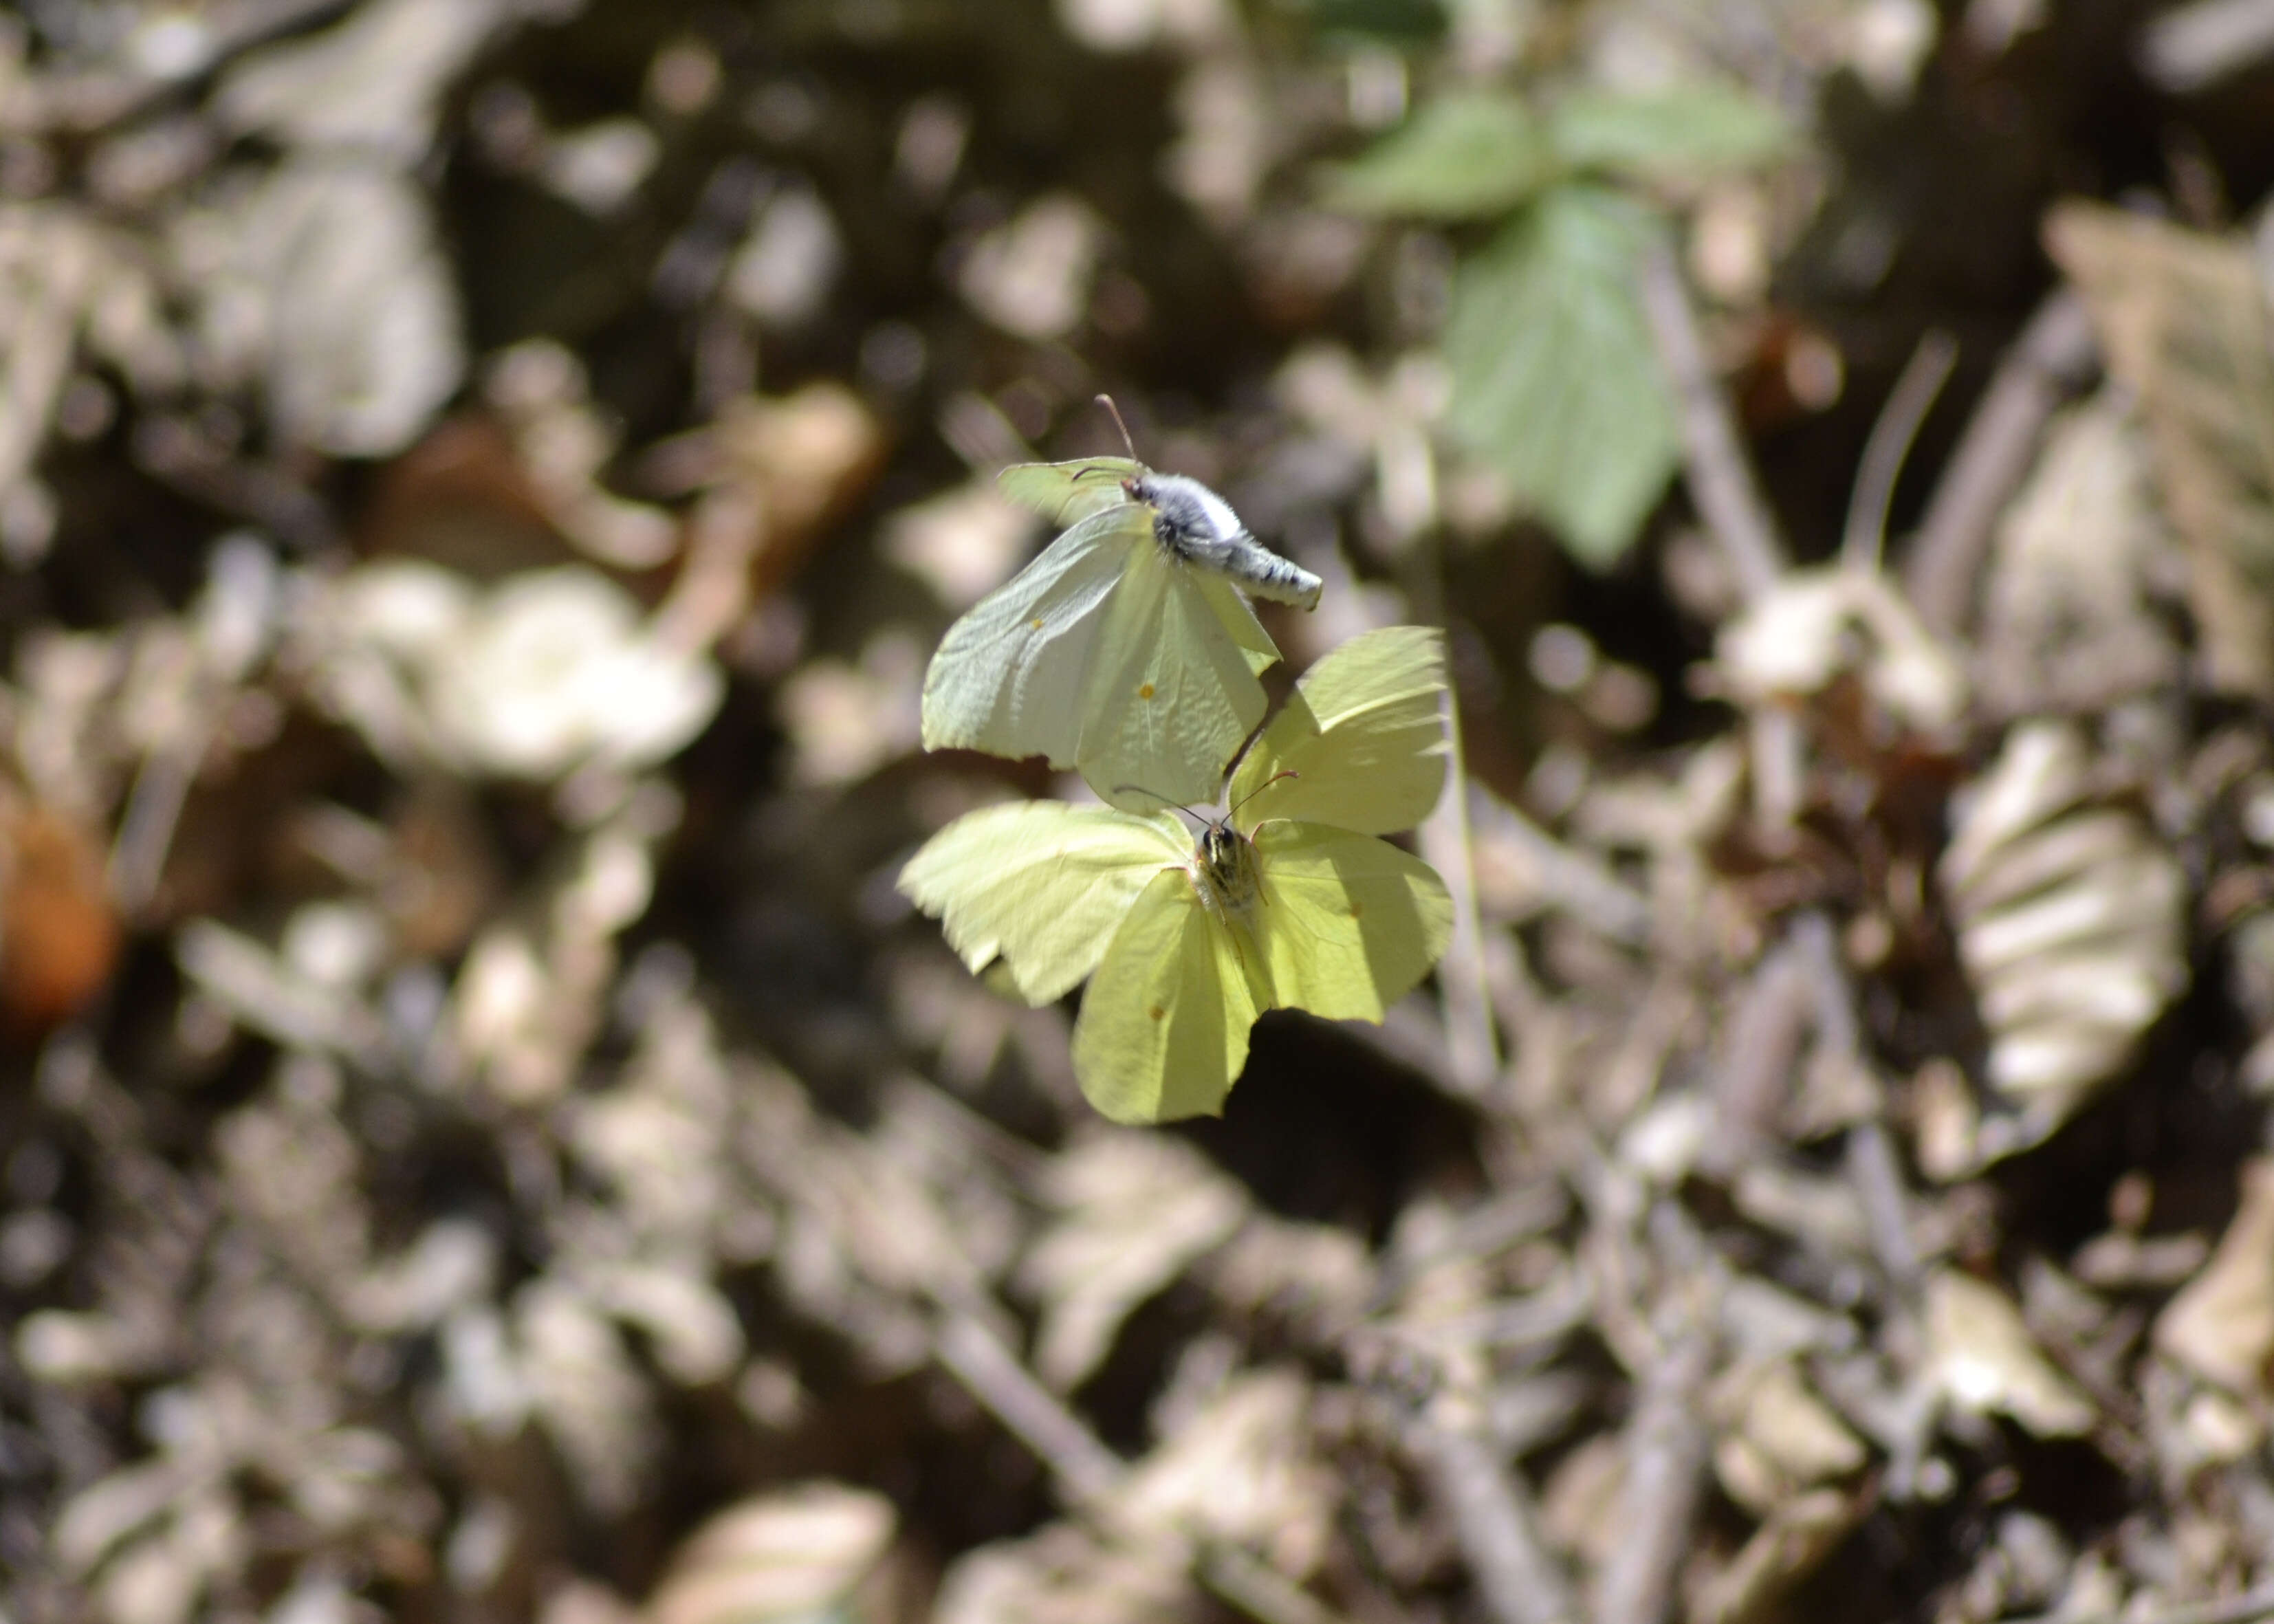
[
  {"x": 1564, "y": 877},
  {"x": 1667, "y": 1447},
  {"x": 1469, "y": 1041},
  {"x": 1084, "y": 1467},
  {"x": 1721, "y": 477},
  {"x": 1088, "y": 1472},
  {"x": 2053, "y": 353},
  {"x": 1872, "y": 1164},
  {"x": 1759, "y": 1047},
  {"x": 1865, "y": 538},
  {"x": 1519, "y": 1580}
]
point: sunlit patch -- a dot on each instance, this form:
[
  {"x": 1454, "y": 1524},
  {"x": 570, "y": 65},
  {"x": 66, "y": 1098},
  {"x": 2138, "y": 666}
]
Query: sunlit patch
[{"x": 1145, "y": 690}]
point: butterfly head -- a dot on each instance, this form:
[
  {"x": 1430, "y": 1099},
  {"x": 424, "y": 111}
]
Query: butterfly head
[
  {"x": 1187, "y": 514},
  {"x": 1226, "y": 869}
]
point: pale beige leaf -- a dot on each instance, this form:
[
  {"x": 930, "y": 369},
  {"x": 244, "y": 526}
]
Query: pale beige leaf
[
  {"x": 1984, "y": 1360},
  {"x": 1134, "y": 1209},
  {"x": 2181, "y": 316},
  {"x": 2071, "y": 916},
  {"x": 2221, "y": 1324},
  {"x": 789, "y": 1557}
]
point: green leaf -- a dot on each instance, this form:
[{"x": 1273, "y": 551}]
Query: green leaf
[
  {"x": 1459, "y": 157},
  {"x": 1684, "y": 131},
  {"x": 1555, "y": 382},
  {"x": 1414, "y": 22}
]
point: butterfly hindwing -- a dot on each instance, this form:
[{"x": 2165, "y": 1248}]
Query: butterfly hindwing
[
  {"x": 1347, "y": 924},
  {"x": 1163, "y": 1027}
]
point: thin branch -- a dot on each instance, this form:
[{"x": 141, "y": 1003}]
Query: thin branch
[
  {"x": 1088, "y": 1472},
  {"x": 1518, "y": 1578},
  {"x": 1084, "y": 1467},
  {"x": 1470, "y": 1044},
  {"x": 1865, "y": 538},
  {"x": 1572, "y": 880},
  {"x": 1666, "y": 1446},
  {"x": 2047, "y": 364},
  {"x": 1872, "y": 1164},
  {"x": 1721, "y": 476}
]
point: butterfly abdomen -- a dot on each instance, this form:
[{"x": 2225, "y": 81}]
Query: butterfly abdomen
[{"x": 1195, "y": 525}]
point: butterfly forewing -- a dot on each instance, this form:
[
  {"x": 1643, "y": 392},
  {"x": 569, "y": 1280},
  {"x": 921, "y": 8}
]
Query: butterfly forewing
[
  {"x": 1040, "y": 884},
  {"x": 1171, "y": 693},
  {"x": 1008, "y": 676},
  {"x": 1361, "y": 741},
  {"x": 1064, "y": 492}
]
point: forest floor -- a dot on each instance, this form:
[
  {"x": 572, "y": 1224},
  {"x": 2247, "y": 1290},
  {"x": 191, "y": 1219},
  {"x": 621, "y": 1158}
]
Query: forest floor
[{"x": 482, "y": 1138}]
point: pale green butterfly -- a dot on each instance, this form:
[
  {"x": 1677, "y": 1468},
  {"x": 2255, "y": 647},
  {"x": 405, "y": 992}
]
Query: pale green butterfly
[
  {"x": 1123, "y": 651},
  {"x": 1288, "y": 901}
]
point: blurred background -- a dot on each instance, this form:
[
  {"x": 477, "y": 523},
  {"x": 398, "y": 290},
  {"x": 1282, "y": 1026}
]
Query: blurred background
[{"x": 482, "y": 1138}]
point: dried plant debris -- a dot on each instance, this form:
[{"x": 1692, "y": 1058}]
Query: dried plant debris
[
  {"x": 2181, "y": 315},
  {"x": 2071, "y": 916},
  {"x": 482, "y": 1138},
  {"x": 2070, "y": 614},
  {"x": 799, "y": 1552}
]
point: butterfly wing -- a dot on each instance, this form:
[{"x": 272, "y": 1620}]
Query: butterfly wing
[
  {"x": 1347, "y": 924},
  {"x": 1064, "y": 493},
  {"x": 1172, "y": 692},
  {"x": 1238, "y": 621},
  {"x": 1039, "y": 884},
  {"x": 1364, "y": 734},
  {"x": 1008, "y": 677},
  {"x": 1163, "y": 1027}
]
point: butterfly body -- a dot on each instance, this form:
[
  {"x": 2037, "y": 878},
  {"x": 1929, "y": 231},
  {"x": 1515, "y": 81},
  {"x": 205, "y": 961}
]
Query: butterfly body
[{"x": 1199, "y": 527}]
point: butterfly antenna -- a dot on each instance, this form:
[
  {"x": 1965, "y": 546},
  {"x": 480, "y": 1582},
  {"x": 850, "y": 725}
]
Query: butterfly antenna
[
  {"x": 1139, "y": 789},
  {"x": 1286, "y": 772},
  {"x": 1106, "y": 401}
]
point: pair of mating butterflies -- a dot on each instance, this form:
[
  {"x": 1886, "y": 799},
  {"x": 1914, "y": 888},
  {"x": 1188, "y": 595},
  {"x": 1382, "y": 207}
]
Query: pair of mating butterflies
[{"x": 1124, "y": 651}]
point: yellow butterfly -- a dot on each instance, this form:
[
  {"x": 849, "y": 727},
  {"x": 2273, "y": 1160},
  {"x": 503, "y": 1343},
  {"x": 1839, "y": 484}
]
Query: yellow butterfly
[
  {"x": 1123, "y": 651},
  {"x": 1287, "y": 901}
]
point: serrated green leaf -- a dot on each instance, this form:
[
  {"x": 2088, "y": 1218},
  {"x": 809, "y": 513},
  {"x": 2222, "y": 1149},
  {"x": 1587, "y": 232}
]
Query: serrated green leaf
[
  {"x": 1459, "y": 157},
  {"x": 1555, "y": 379},
  {"x": 1683, "y": 131}
]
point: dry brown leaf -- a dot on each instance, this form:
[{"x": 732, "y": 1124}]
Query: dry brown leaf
[
  {"x": 1983, "y": 1359},
  {"x": 1066, "y": 1576},
  {"x": 1818, "y": 625},
  {"x": 2071, "y": 917},
  {"x": 2067, "y": 625},
  {"x": 1780, "y": 1439},
  {"x": 2221, "y": 1324},
  {"x": 789, "y": 1557},
  {"x": 2182, "y": 317},
  {"x": 1240, "y": 1472},
  {"x": 1133, "y": 1209},
  {"x": 1793, "y": 1541}
]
